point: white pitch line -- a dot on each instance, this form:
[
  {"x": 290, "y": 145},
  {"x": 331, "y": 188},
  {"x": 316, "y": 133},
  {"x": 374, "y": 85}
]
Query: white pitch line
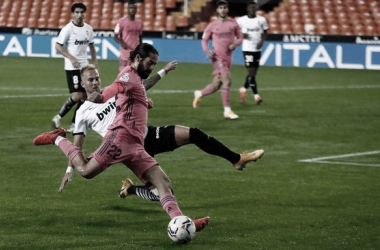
[
  {"x": 340, "y": 156},
  {"x": 323, "y": 159},
  {"x": 30, "y": 96},
  {"x": 176, "y": 91},
  {"x": 257, "y": 111},
  {"x": 348, "y": 163}
]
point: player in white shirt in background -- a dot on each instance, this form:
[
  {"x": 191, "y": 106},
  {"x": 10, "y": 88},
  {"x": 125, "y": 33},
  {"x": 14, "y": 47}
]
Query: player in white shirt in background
[
  {"x": 98, "y": 116},
  {"x": 73, "y": 41},
  {"x": 254, "y": 28}
]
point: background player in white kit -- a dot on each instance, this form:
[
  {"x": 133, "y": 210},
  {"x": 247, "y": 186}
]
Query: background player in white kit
[
  {"x": 254, "y": 28},
  {"x": 72, "y": 43}
]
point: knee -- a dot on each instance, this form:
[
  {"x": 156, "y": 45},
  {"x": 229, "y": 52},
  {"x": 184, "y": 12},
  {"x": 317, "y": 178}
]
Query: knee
[
  {"x": 197, "y": 135},
  {"x": 87, "y": 176}
]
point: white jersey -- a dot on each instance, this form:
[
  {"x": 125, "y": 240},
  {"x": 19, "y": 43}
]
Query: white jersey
[
  {"x": 97, "y": 116},
  {"x": 254, "y": 27},
  {"x": 76, "y": 39}
]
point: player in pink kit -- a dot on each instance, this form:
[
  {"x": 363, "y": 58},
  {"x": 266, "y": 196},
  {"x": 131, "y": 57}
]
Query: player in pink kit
[
  {"x": 128, "y": 33},
  {"x": 124, "y": 141},
  {"x": 223, "y": 32}
]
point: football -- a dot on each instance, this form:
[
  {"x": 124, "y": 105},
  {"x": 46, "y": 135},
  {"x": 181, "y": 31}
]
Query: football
[{"x": 181, "y": 229}]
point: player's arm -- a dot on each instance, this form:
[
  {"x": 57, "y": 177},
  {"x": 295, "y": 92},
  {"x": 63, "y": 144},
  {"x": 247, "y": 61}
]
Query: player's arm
[
  {"x": 120, "y": 41},
  {"x": 78, "y": 141},
  {"x": 151, "y": 81},
  {"x": 239, "y": 38},
  {"x": 107, "y": 93},
  {"x": 93, "y": 55},
  {"x": 59, "y": 47},
  {"x": 117, "y": 37},
  {"x": 263, "y": 38},
  {"x": 205, "y": 38}
]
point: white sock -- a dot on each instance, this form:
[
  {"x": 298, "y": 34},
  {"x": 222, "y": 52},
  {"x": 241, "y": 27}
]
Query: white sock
[
  {"x": 227, "y": 109},
  {"x": 58, "y": 140}
]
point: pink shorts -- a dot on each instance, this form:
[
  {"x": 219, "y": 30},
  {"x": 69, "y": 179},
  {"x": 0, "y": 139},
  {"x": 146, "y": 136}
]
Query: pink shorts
[
  {"x": 221, "y": 66},
  {"x": 119, "y": 146}
]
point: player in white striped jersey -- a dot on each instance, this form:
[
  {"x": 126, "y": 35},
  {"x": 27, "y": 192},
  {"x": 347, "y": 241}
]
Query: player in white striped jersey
[
  {"x": 157, "y": 139},
  {"x": 254, "y": 29},
  {"x": 72, "y": 43}
]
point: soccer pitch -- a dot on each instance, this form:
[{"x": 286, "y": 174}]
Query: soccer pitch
[{"x": 317, "y": 186}]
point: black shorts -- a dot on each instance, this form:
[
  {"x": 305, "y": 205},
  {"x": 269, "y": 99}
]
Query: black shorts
[
  {"x": 73, "y": 81},
  {"x": 160, "y": 140},
  {"x": 252, "y": 59}
]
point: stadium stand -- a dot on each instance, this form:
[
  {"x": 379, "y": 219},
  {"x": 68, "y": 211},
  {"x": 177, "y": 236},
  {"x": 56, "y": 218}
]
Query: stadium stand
[{"x": 327, "y": 17}]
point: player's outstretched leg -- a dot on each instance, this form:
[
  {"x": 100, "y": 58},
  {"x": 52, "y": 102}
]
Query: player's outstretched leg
[
  {"x": 49, "y": 137},
  {"x": 123, "y": 192},
  {"x": 243, "y": 94},
  {"x": 201, "y": 223},
  {"x": 144, "y": 192},
  {"x": 246, "y": 157},
  {"x": 56, "y": 121},
  {"x": 258, "y": 99},
  {"x": 197, "y": 98}
]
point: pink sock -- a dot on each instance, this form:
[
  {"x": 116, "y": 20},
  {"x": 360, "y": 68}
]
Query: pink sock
[
  {"x": 170, "y": 205},
  {"x": 208, "y": 90},
  {"x": 225, "y": 93},
  {"x": 69, "y": 149}
]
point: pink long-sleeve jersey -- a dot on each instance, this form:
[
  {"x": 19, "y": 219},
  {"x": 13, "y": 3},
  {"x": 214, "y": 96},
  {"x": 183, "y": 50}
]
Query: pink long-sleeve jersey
[
  {"x": 223, "y": 34},
  {"x": 131, "y": 102}
]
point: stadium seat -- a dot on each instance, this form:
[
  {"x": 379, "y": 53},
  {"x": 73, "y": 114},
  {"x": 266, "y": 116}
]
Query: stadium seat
[
  {"x": 117, "y": 10},
  {"x": 260, "y": 13},
  {"x": 149, "y": 8},
  {"x": 298, "y": 28},
  {"x": 148, "y": 23},
  {"x": 22, "y": 22},
  {"x": 42, "y": 22},
  {"x": 12, "y": 21},
  {"x": 170, "y": 4},
  {"x": 158, "y": 26},
  {"x": 181, "y": 21},
  {"x": 32, "y": 22},
  {"x": 105, "y": 24},
  {"x": 160, "y": 20},
  {"x": 334, "y": 29},
  {"x": 94, "y": 22},
  {"x": 308, "y": 20},
  {"x": 170, "y": 23},
  {"x": 371, "y": 30},
  {"x": 359, "y": 30},
  {"x": 201, "y": 26},
  {"x": 345, "y": 29},
  {"x": 286, "y": 28},
  {"x": 321, "y": 29}
]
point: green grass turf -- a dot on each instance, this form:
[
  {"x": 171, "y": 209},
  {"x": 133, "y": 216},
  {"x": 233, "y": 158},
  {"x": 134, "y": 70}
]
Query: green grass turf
[{"x": 276, "y": 203}]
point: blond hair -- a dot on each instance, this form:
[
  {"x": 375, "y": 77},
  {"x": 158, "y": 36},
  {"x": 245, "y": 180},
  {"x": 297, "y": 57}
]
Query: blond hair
[{"x": 87, "y": 67}]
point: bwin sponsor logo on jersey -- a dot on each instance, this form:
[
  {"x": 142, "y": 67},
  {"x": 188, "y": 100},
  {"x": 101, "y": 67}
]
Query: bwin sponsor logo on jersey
[
  {"x": 84, "y": 42},
  {"x": 106, "y": 111},
  {"x": 257, "y": 29}
]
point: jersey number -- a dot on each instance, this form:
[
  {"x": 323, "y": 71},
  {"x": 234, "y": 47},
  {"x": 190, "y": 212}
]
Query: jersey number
[
  {"x": 115, "y": 152},
  {"x": 75, "y": 79},
  {"x": 248, "y": 58}
]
